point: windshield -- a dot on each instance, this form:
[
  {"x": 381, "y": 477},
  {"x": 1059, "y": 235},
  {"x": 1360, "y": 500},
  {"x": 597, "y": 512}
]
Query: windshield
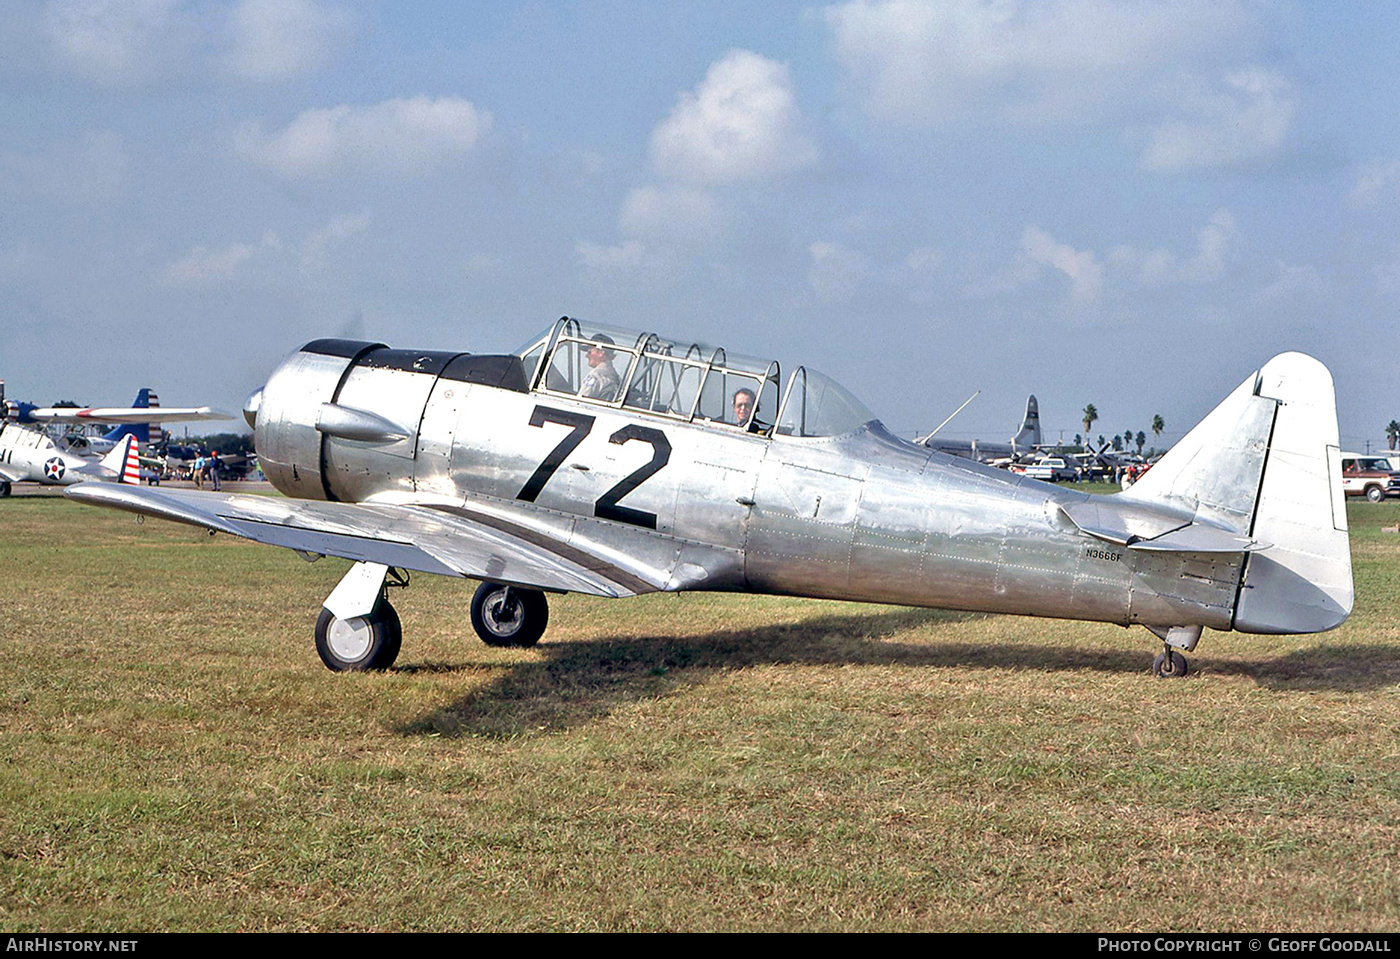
[{"x": 816, "y": 405}]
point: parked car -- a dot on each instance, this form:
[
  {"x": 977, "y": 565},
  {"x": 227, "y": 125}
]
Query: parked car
[
  {"x": 1369, "y": 476},
  {"x": 1052, "y": 468}
]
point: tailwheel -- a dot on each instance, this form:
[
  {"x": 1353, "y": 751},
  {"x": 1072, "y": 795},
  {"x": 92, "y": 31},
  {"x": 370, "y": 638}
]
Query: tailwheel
[
  {"x": 508, "y": 615},
  {"x": 359, "y": 643},
  {"x": 1169, "y": 664}
]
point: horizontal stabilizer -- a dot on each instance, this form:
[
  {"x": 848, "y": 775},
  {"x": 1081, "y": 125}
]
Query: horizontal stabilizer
[
  {"x": 1199, "y": 538},
  {"x": 1139, "y": 526}
]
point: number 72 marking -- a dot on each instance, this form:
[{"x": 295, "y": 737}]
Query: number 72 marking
[{"x": 581, "y": 424}]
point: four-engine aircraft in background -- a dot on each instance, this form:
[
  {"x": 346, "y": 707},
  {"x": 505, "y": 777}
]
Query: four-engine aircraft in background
[
  {"x": 615, "y": 463},
  {"x": 1025, "y": 442}
]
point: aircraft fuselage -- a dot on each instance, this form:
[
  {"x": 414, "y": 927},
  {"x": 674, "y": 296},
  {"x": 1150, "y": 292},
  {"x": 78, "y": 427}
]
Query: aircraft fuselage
[{"x": 859, "y": 516}]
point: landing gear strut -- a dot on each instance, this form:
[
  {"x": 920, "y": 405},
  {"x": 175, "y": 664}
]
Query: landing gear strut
[
  {"x": 358, "y": 629},
  {"x": 509, "y": 615},
  {"x": 1170, "y": 664}
]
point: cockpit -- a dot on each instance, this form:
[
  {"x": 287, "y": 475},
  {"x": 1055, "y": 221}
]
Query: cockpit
[{"x": 692, "y": 382}]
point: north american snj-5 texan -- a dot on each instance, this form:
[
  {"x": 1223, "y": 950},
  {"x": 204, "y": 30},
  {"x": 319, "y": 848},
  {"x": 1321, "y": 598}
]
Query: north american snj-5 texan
[{"x": 600, "y": 461}]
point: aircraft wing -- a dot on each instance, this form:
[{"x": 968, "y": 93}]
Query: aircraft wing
[
  {"x": 121, "y": 415},
  {"x": 446, "y": 538}
]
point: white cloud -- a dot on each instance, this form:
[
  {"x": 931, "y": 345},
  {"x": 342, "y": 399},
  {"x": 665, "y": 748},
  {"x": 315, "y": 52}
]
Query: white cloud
[
  {"x": 1083, "y": 269},
  {"x": 402, "y": 137},
  {"x": 202, "y": 265},
  {"x": 740, "y": 124},
  {"x": 925, "y": 61},
  {"x": 836, "y": 271},
  {"x": 1246, "y": 120},
  {"x": 677, "y": 213},
  {"x": 598, "y": 257},
  {"x": 119, "y": 41},
  {"x": 1214, "y": 243},
  {"x": 273, "y": 39}
]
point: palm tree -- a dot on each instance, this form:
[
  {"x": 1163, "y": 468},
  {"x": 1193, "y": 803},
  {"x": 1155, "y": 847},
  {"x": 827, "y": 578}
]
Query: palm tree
[
  {"x": 1090, "y": 414},
  {"x": 1158, "y": 424},
  {"x": 1392, "y": 433},
  {"x": 1140, "y": 439}
]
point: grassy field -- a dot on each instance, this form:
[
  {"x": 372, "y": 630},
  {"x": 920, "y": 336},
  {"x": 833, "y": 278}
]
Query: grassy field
[{"x": 173, "y": 756}]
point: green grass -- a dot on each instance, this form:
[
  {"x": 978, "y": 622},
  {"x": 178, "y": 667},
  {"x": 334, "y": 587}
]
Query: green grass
[{"x": 175, "y": 757}]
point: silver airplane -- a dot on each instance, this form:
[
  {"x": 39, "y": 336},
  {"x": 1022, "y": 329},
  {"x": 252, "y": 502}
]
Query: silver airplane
[{"x": 600, "y": 461}]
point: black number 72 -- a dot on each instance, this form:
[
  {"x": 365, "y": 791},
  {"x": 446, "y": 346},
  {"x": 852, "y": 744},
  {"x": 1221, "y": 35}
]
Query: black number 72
[{"x": 580, "y": 425}]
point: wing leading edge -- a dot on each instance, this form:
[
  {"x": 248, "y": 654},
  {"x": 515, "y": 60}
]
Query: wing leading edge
[{"x": 447, "y": 539}]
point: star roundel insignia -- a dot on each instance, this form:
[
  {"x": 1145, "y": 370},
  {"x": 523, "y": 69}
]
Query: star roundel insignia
[{"x": 53, "y": 469}]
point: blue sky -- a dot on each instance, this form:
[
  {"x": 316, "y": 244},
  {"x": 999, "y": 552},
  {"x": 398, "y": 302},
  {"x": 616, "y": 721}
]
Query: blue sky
[{"x": 1129, "y": 204}]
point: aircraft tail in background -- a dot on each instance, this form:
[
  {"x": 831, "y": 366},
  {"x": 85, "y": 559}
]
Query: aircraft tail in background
[
  {"x": 1029, "y": 435},
  {"x": 123, "y": 462}
]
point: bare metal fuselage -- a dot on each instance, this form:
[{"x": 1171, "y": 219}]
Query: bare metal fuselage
[{"x": 703, "y": 505}]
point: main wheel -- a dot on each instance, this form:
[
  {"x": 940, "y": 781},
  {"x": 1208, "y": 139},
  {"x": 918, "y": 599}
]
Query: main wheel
[
  {"x": 509, "y": 615},
  {"x": 1375, "y": 494},
  {"x": 4, "y": 488},
  {"x": 1169, "y": 667},
  {"x": 359, "y": 643}
]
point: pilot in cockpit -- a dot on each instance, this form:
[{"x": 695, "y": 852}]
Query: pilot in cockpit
[
  {"x": 602, "y": 382},
  {"x": 743, "y": 407}
]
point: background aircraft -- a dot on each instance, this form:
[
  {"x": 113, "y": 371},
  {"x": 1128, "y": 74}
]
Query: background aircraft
[
  {"x": 513, "y": 469},
  {"x": 1026, "y": 440},
  {"x": 142, "y": 419},
  {"x": 28, "y": 456}
]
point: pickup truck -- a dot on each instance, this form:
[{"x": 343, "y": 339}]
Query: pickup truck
[{"x": 1369, "y": 476}]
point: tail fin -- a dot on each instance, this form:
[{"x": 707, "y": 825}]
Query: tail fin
[
  {"x": 148, "y": 433},
  {"x": 124, "y": 462},
  {"x": 1029, "y": 435},
  {"x": 1266, "y": 464}
]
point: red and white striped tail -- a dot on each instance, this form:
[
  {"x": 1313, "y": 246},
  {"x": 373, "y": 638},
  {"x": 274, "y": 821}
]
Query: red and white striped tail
[
  {"x": 131, "y": 463},
  {"x": 124, "y": 461}
]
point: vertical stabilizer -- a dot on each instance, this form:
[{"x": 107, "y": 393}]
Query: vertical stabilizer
[
  {"x": 1302, "y": 582},
  {"x": 124, "y": 462},
  {"x": 1029, "y": 436},
  {"x": 1266, "y": 464}
]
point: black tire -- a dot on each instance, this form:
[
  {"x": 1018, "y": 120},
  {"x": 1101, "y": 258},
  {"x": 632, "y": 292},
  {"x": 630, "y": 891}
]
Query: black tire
[
  {"x": 509, "y": 615},
  {"x": 361, "y": 643},
  {"x": 4, "y": 488},
  {"x": 1169, "y": 667},
  {"x": 1375, "y": 494}
]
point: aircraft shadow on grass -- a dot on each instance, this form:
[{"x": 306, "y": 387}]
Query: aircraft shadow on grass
[{"x": 581, "y": 681}]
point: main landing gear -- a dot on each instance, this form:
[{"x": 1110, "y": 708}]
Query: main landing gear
[
  {"x": 358, "y": 629},
  {"x": 509, "y": 615},
  {"x": 1170, "y": 663}
]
